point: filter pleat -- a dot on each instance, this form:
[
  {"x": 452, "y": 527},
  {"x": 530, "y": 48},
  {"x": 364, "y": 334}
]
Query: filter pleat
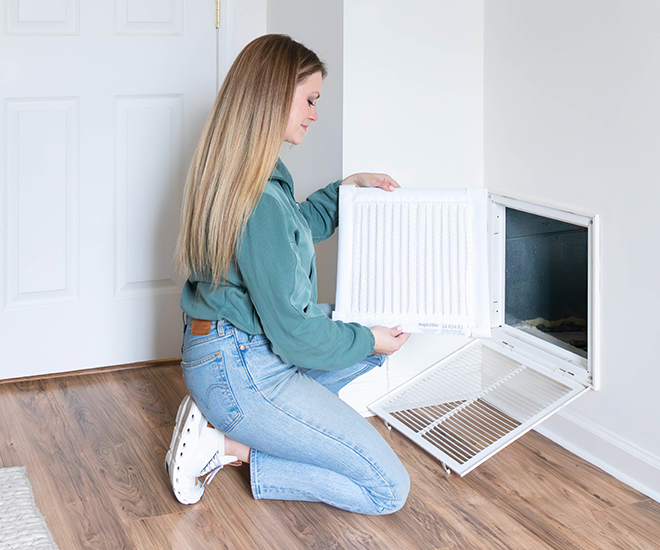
[
  {"x": 359, "y": 261},
  {"x": 437, "y": 259},
  {"x": 421, "y": 234},
  {"x": 372, "y": 239},
  {"x": 397, "y": 255},
  {"x": 387, "y": 259},
  {"x": 380, "y": 257},
  {"x": 412, "y": 259},
  {"x": 429, "y": 299}
]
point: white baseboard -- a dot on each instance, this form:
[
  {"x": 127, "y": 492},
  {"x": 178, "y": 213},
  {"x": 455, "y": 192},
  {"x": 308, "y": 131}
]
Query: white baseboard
[{"x": 620, "y": 458}]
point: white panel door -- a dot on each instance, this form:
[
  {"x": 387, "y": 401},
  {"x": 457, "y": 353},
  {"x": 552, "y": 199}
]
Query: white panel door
[{"x": 102, "y": 105}]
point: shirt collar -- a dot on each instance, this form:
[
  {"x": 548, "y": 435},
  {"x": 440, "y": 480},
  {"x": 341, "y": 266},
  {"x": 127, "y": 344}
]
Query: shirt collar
[{"x": 282, "y": 174}]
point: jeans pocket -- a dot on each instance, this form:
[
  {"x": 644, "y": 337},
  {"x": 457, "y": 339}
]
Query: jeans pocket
[{"x": 207, "y": 382}]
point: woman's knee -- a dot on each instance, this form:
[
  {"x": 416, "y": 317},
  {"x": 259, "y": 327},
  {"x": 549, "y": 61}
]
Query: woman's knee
[
  {"x": 401, "y": 490},
  {"x": 396, "y": 492}
]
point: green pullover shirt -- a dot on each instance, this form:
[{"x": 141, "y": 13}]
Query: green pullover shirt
[{"x": 271, "y": 288}]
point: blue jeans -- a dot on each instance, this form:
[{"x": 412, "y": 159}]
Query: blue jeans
[{"x": 307, "y": 444}]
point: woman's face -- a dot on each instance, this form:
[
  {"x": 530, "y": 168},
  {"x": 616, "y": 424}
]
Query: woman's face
[{"x": 303, "y": 108}]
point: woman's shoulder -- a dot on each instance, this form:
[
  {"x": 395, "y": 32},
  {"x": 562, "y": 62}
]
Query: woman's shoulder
[
  {"x": 273, "y": 201},
  {"x": 273, "y": 192},
  {"x": 271, "y": 214}
]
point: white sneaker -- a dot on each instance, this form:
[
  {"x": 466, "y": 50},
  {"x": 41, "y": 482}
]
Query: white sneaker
[{"x": 196, "y": 449}]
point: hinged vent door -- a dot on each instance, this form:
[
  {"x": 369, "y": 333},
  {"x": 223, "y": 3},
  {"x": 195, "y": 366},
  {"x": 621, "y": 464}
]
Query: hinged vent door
[
  {"x": 414, "y": 257},
  {"x": 475, "y": 402}
]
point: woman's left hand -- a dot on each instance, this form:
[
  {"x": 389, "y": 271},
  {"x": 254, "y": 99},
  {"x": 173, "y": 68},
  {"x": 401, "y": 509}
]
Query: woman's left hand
[{"x": 371, "y": 180}]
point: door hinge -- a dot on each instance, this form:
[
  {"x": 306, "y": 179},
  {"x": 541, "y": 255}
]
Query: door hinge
[{"x": 217, "y": 14}]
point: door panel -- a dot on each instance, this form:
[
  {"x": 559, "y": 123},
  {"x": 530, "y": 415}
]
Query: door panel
[
  {"x": 103, "y": 103},
  {"x": 41, "y": 256}
]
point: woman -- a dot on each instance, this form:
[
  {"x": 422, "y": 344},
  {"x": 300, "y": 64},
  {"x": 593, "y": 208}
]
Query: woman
[{"x": 261, "y": 360}]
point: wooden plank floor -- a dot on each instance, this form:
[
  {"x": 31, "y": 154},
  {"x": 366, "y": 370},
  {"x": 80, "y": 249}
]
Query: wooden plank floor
[{"x": 94, "y": 446}]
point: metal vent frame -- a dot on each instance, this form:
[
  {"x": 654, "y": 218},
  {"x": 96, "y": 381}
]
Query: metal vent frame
[
  {"x": 453, "y": 413},
  {"x": 475, "y": 402},
  {"x": 586, "y": 370}
]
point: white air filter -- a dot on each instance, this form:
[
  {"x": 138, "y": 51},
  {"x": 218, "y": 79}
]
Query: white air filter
[{"x": 414, "y": 257}]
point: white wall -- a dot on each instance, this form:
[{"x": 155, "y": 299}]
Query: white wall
[
  {"x": 317, "y": 161},
  {"x": 572, "y": 118},
  {"x": 413, "y": 107},
  {"x": 413, "y": 90}
]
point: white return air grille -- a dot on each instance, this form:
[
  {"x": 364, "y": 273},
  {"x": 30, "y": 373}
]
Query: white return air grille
[
  {"x": 414, "y": 257},
  {"x": 475, "y": 402},
  {"x": 419, "y": 258}
]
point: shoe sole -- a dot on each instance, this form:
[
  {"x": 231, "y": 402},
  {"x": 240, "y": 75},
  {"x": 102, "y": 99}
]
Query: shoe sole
[{"x": 177, "y": 445}]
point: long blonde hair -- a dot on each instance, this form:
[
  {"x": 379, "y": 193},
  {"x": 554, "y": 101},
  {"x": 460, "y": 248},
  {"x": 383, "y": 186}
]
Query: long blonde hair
[{"x": 238, "y": 150}]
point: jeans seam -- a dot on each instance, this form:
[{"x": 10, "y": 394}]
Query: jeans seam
[
  {"x": 254, "y": 476},
  {"x": 247, "y": 370},
  {"x": 280, "y": 491}
]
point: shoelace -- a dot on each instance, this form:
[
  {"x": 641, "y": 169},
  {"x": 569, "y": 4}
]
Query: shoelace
[
  {"x": 212, "y": 475},
  {"x": 214, "y": 465}
]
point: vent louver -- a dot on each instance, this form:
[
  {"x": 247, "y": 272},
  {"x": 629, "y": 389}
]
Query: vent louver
[{"x": 470, "y": 405}]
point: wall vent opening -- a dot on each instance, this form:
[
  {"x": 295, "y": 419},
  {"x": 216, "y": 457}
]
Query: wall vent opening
[
  {"x": 421, "y": 257},
  {"x": 547, "y": 279}
]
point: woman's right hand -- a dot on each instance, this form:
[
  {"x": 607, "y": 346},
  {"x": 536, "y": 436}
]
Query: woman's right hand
[{"x": 388, "y": 340}]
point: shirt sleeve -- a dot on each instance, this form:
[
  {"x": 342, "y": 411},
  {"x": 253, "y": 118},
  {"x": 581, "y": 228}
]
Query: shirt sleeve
[
  {"x": 321, "y": 210},
  {"x": 282, "y": 294}
]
